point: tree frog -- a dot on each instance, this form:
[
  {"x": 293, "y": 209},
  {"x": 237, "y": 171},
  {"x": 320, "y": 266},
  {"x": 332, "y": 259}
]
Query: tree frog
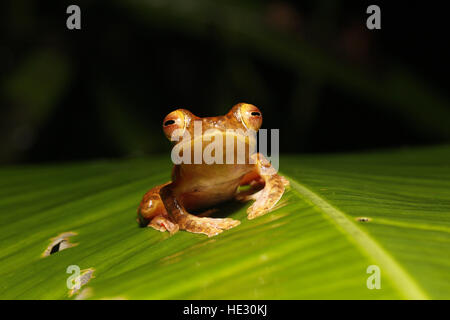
[{"x": 199, "y": 186}]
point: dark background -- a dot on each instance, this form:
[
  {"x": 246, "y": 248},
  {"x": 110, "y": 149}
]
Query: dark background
[{"x": 312, "y": 67}]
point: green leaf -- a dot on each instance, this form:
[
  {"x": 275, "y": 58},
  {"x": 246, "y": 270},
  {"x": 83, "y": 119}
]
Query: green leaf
[{"x": 311, "y": 246}]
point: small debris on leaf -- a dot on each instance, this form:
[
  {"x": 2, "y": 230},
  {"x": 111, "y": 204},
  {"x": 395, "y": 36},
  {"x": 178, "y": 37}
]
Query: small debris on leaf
[
  {"x": 59, "y": 243},
  {"x": 85, "y": 276}
]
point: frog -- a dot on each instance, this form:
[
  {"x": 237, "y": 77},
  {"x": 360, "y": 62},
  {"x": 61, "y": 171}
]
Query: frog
[{"x": 178, "y": 204}]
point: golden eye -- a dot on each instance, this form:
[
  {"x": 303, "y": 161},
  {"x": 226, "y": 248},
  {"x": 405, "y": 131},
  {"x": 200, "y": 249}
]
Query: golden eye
[
  {"x": 173, "y": 121},
  {"x": 251, "y": 116}
]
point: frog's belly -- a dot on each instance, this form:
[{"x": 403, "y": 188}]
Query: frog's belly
[
  {"x": 206, "y": 186},
  {"x": 200, "y": 197}
]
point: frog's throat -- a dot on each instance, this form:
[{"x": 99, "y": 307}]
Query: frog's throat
[{"x": 232, "y": 138}]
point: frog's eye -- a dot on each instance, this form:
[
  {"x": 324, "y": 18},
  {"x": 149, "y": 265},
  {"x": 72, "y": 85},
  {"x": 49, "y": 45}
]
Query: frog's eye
[
  {"x": 169, "y": 122},
  {"x": 251, "y": 116},
  {"x": 174, "y": 125}
]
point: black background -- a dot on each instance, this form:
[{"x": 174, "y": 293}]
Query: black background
[{"x": 130, "y": 65}]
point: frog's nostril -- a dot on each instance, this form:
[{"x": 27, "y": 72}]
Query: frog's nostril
[
  {"x": 257, "y": 114},
  {"x": 169, "y": 122}
]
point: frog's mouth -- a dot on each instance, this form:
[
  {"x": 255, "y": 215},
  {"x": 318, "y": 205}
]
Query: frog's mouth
[{"x": 217, "y": 147}]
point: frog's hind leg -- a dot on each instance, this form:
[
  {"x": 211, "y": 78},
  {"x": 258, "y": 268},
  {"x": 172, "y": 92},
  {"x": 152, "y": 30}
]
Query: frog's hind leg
[
  {"x": 152, "y": 213},
  {"x": 190, "y": 222},
  {"x": 272, "y": 192}
]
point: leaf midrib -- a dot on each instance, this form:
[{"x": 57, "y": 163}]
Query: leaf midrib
[{"x": 404, "y": 283}]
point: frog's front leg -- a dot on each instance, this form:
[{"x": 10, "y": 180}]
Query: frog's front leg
[
  {"x": 190, "y": 222},
  {"x": 272, "y": 192}
]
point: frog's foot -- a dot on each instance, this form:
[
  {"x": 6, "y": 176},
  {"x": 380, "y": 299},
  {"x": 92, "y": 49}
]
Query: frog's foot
[
  {"x": 209, "y": 226},
  {"x": 162, "y": 224},
  {"x": 189, "y": 222},
  {"x": 273, "y": 190}
]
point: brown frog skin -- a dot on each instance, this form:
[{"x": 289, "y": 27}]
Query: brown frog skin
[{"x": 200, "y": 186}]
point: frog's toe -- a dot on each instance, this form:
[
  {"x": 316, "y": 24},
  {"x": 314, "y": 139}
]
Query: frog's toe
[
  {"x": 210, "y": 226},
  {"x": 162, "y": 224},
  {"x": 225, "y": 223},
  {"x": 211, "y": 231},
  {"x": 263, "y": 204},
  {"x": 285, "y": 181},
  {"x": 254, "y": 212}
]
